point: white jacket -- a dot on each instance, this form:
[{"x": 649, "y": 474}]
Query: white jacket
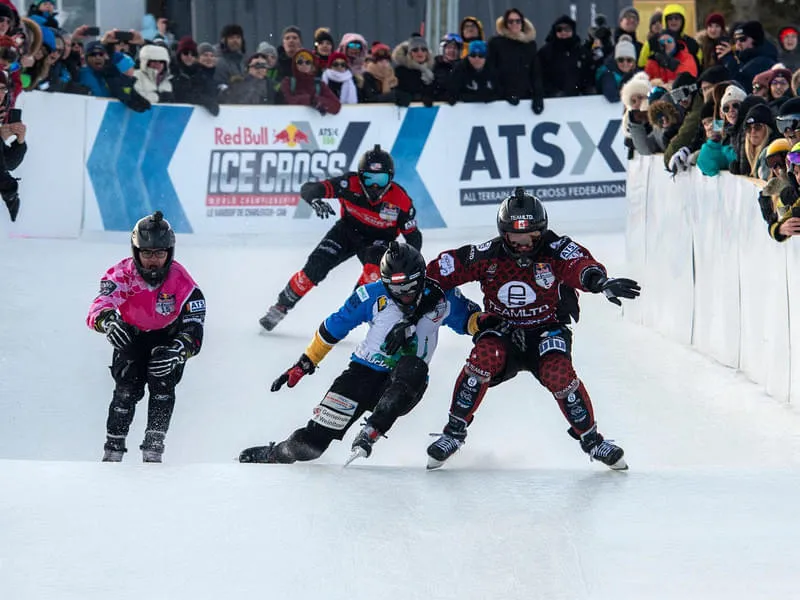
[{"x": 146, "y": 82}]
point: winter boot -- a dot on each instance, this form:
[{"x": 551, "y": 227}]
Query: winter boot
[
  {"x": 259, "y": 454},
  {"x": 113, "y": 449},
  {"x": 274, "y": 315},
  {"x": 601, "y": 449},
  {"x": 152, "y": 447}
]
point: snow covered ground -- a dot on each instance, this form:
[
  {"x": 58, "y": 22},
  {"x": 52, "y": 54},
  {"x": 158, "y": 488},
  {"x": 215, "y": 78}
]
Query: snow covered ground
[{"x": 706, "y": 511}]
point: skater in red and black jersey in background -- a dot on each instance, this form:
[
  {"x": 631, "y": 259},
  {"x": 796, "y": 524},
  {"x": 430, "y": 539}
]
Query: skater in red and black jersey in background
[
  {"x": 528, "y": 276},
  {"x": 374, "y": 211}
]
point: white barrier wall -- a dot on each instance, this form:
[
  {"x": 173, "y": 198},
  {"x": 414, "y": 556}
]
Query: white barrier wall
[
  {"x": 711, "y": 276},
  {"x": 101, "y": 166}
]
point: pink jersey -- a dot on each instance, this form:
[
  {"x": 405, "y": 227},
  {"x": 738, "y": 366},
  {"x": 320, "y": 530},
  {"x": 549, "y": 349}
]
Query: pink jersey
[{"x": 149, "y": 309}]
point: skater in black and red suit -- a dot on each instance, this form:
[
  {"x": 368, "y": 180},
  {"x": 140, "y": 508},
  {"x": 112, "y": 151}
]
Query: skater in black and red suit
[
  {"x": 374, "y": 211},
  {"x": 528, "y": 276}
]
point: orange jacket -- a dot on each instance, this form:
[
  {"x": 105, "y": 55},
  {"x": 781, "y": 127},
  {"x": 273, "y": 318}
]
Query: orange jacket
[{"x": 687, "y": 65}]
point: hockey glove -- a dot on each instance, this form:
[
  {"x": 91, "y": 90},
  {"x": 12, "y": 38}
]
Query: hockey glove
[
  {"x": 304, "y": 366},
  {"x": 118, "y": 333},
  {"x": 614, "y": 289},
  {"x": 165, "y": 359},
  {"x": 490, "y": 324},
  {"x": 322, "y": 208},
  {"x": 398, "y": 336}
]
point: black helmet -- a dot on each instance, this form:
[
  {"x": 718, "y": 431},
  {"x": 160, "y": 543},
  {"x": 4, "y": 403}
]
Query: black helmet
[
  {"x": 521, "y": 213},
  {"x": 376, "y": 171},
  {"x": 403, "y": 275},
  {"x": 153, "y": 233}
]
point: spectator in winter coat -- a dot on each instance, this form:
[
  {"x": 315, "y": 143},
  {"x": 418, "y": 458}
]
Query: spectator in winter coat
[
  {"x": 670, "y": 59},
  {"x": 719, "y": 150},
  {"x": 323, "y": 46},
  {"x": 271, "y": 54},
  {"x": 291, "y": 43},
  {"x": 192, "y": 82},
  {"x": 753, "y": 55},
  {"x": 473, "y": 78},
  {"x": 8, "y": 56},
  {"x": 708, "y": 39},
  {"x": 379, "y": 77},
  {"x": 686, "y": 94},
  {"x": 790, "y": 52},
  {"x": 414, "y": 72},
  {"x": 256, "y": 88},
  {"x": 628, "y": 22},
  {"x": 443, "y": 64},
  {"x": 340, "y": 79},
  {"x": 471, "y": 29},
  {"x": 617, "y": 70},
  {"x": 514, "y": 57},
  {"x": 779, "y": 87},
  {"x": 105, "y": 81},
  {"x": 635, "y": 124},
  {"x": 305, "y": 88},
  {"x": 674, "y": 22},
  {"x": 665, "y": 118},
  {"x": 230, "y": 63},
  {"x": 47, "y": 10},
  {"x": 599, "y": 46},
  {"x": 761, "y": 84},
  {"x": 354, "y": 46},
  {"x": 566, "y": 68},
  {"x": 153, "y": 79},
  {"x": 788, "y": 120},
  {"x": 9, "y": 19},
  {"x": 759, "y": 132}
]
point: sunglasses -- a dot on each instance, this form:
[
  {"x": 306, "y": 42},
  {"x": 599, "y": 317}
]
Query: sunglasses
[
  {"x": 563, "y": 28},
  {"x": 739, "y": 39},
  {"x": 788, "y": 122},
  {"x": 514, "y": 21},
  {"x": 260, "y": 65},
  {"x": 477, "y": 55},
  {"x": 729, "y": 107},
  {"x": 354, "y": 45},
  {"x": 758, "y": 88},
  {"x": 779, "y": 81},
  {"x": 418, "y": 49},
  {"x": 5, "y": 20},
  {"x": 666, "y": 41},
  {"x": 624, "y": 60},
  {"x": 754, "y": 126},
  {"x": 338, "y": 64},
  {"x": 153, "y": 253},
  {"x": 103, "y": 54},
  {"x": 379, "y": 179},
  {"x": 304, "y": 61},
  {"x": 776, "y": 161},
  {"x": 189, "y": 53}
]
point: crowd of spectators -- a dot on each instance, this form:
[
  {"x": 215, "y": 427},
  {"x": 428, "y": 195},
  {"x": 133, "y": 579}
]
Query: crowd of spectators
[{"x": 725, "y": 98}]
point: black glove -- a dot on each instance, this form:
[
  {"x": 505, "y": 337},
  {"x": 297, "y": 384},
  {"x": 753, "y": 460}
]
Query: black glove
[
  {"x": 165, "y": 359},
  {"x": 491, "y": 324},
  {"x": 402, "y": 99},
  {"x": 767, "y": 210},
  {"x": 614, "y": 289},
  {"x": 321, "y": 109},
  {"x": 119, "y": 333},
  {"x": 304, "y": 366},
  {"x": 537, "y": 105},
  {"x": 666, "y": 62},
  {"x": 427, "y": 101},
  {"x": 322, "y": 208},
  {"x": 512, "y": 100},
  {"x": 452, "y": 101},
  {"x": 398, "y": 336}
]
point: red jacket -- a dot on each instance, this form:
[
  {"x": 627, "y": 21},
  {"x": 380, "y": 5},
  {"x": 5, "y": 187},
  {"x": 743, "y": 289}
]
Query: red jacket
[{"x": 687, "y": 65}]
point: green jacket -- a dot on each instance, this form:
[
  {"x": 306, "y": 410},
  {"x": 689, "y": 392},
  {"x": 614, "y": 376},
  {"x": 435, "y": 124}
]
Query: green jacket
[{"x": 688, "y": 130}]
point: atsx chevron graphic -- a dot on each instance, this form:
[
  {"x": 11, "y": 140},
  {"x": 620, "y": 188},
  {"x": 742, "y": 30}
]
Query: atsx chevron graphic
[{"x": 128, "y": 165}]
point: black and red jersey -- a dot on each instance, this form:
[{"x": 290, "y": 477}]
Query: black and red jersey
[
  {"x": 384, "y": 219},
  {"x": 526, "y": 296}
]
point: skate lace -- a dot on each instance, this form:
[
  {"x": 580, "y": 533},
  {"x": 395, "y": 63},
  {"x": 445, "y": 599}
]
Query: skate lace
[
  {"x": 447, "y": 443},
  {"x": 603, "y": 449}
]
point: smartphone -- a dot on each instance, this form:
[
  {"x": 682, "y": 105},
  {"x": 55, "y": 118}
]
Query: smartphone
[
  {"x": 796, "y": 211},
  {"x": 92, "y": 31},
  {"x": 718, "y": 125},
  {"x": 123, "y": 36},
  {"x": 14, "y": 115}
]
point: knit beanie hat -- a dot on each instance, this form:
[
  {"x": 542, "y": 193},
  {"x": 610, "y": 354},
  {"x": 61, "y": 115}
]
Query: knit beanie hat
[
  {"x": 762, "y": 79},
  {"x": 478, "y": 47},
  {"x": 717, "y": 18},
  {"x": 752, "y": 29},
  {"x": 786, "y": 31},
  {"x": 380, "y": 51},
  {"x": 656, "y": 17},
  {"x": 638, "y": 85},
  {"x": 629, "y": 11},
  {"x": 205, "y": 47},
  {"x": 683, "y": 79},
  {"x": 335, "y": 55},
  {"x": 417, "y": 41},
  {"x": 624, "y": 48},
  {"x": 323, "y": 34},
  {"x": 760, "y": 113},
  {"x": 230, "y": 30},
  {"x": 707, "y": 111},
  {"x": 715, "y": 74},
  {"x": 733, "y": 93},
  {"x": 187, "y": 44}
]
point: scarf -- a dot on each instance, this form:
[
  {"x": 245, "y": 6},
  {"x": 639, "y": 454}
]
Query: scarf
[
  {"x": 384, "y": 73},
  {"x": 348, "y": 93}
]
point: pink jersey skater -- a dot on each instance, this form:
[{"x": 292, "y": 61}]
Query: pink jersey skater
[{"x": 150, "y": 309}]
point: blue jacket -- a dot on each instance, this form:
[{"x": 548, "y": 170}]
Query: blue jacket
[{"x": 715, "y": 157}]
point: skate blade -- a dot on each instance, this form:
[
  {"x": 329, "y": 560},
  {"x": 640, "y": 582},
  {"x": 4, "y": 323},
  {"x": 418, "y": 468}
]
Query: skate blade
[
  {"x": 620, "y": 465},
  {"x": 357, "y": 453},
  {"x": 434, "y": 464}
]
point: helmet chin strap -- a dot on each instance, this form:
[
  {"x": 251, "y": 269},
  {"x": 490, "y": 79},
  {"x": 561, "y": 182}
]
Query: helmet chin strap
[{"x": 369, "y": 196}]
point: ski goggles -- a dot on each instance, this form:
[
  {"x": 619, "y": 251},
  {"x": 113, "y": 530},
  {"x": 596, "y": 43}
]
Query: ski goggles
[
  {"x": 787, "y": 123},
  {"x": 405, "y": 292},
  {"x": 777, "y": 160},
  {"x": 379, "y": 179},
  {"x": 793, "y": 157}
]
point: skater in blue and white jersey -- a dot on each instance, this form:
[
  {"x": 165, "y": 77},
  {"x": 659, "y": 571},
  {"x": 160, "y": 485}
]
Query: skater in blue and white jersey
[{"x": 388, "y": 371}]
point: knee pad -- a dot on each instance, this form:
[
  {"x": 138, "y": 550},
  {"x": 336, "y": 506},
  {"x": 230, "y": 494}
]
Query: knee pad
[
  {"x": 411, "y": 371},
  {"x": 558, "y": 375},
  {"x": 487, "y": 359},
  {"x": 127, "y": 396}
]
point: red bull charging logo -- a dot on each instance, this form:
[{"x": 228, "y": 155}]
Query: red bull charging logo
[{"x": 291, "y": 136}]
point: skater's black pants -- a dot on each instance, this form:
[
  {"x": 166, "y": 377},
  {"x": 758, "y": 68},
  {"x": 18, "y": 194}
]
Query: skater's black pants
[
  {"x": 129, "y": 370},
  {"x": 341, "y": 243}
]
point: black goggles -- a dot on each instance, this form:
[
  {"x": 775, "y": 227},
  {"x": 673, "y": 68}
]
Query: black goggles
[{"x": 787, "y": 122}]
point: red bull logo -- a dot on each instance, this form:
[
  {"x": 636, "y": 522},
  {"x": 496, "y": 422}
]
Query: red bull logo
[{"x": 291, "y": 136}]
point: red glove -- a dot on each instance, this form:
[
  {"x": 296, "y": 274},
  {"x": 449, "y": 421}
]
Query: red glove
[{"x": 304, "y": 366}]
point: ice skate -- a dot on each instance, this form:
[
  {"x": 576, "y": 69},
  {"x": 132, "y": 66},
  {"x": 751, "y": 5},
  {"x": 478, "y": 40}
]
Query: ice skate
[
  {"x": 152, "y": 447},
  {"x": 443, "y": 448},
  {"x": 259, "y": 454},
  {"x": 603, "y": 450},
  {"x": 114, "y": 449},
  {"x": 274, "y": 315},
  {"x": 362, "y": 445}
]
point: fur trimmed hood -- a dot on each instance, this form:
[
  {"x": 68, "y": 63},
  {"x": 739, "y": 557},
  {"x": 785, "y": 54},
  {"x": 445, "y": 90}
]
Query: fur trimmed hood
[
  {"x": 153, "y": 52},
  {"x": 402, "y": 59},
  {"x": 639, "y": 84},
  {"x": 528, "y": 33},
  {"x": 664, "y": 107}
]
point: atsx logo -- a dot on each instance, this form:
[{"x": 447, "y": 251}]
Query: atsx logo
[{"x": 480, "y": 156}]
